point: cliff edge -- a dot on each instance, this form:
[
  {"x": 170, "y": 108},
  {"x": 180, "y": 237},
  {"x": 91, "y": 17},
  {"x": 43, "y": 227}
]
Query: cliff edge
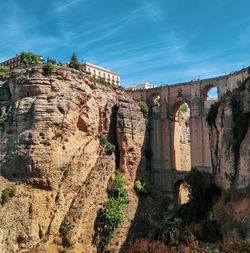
[{"x": 50, "y": 153}]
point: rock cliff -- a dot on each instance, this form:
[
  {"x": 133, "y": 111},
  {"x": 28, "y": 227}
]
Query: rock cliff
[
  {"x": 229, "y": 137},
  {"x": 50, "y": 152}
]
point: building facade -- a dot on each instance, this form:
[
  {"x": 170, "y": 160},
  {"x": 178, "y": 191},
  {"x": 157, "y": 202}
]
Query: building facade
[
  {"x": 15, "y": 62},
  {"x": 142, "y": 86},
  {"x": 145, "y": 85},
  {"x": 12, "y": 63},
  {"x": 100, "y": 72}
]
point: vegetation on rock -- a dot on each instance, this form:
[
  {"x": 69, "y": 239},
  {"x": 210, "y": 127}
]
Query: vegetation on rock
[
  {"x": 110, "y": 148},
  {"x": 140, "y": 187},
  {"x": 8, "y": 193},
  {"x": 111, "y": 216},
  {"x": 202, "y": 195},
  {"x": 47, "y": 68},
  {"x": 74, "y": 62},
  {"x": 4, "y": 70},
  {"x": 144, "y": 108},
  {"x": 28, "y": 59}
]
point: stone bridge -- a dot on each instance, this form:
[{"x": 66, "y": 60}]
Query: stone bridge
[{"x": 165, "y": 164}]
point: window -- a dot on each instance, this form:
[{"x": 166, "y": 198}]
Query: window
[
  {"x": 94, "y": 72},
  {"x": 104, "y": 75},
  {"x": 99, "y": 73},
  {"x": 113, "y": 78},
  {"x": 88, "y": 69}
]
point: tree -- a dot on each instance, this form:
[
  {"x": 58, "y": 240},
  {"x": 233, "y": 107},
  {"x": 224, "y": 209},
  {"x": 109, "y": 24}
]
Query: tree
[
  {"x": 74, "y": 62},
  {"x": 3, "y": 71},
  {"x": 29, "y": 58}
]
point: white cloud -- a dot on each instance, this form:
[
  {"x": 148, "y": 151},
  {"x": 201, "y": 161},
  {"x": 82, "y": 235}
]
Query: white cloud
[{"x": 63, "y": 6}]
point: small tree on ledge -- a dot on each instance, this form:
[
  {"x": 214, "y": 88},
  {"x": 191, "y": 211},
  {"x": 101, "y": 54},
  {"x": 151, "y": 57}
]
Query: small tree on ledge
[{"x": 74, "y": 62}]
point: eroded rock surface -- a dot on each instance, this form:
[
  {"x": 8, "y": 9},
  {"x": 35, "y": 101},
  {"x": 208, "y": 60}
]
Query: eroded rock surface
[
  {"x": 229, "y": 138},
  {"x": 50, "y": 151}
]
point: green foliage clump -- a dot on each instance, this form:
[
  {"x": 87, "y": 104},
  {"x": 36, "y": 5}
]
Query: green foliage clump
[
  {"x": 144, "y": 108},
  {"x": 103, "y": 81},
  {"x": 3, "y": 118},
  {"x": 111, "y": 215},
  {"x": 202, "y": 194},
  {"x": 47, "y": 68},
  {"x": 110, "y": 148},
  {"x": 74, "y": 62},
  {"x": 8, "y": 193},
  {"x": 183, "y": 108},
  {"x": 212, "y": 114},
  {"x": 66, "y": 172},
  {"x": 28, "y": 59},
  {"x": 140, "y": 187},
  {"x": 4, "y": 70},
  {"x": 64, "y": 230},
  {"x": 103, "y": 140}
]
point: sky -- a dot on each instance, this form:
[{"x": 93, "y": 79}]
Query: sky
[{"x": 159, "y": 41}]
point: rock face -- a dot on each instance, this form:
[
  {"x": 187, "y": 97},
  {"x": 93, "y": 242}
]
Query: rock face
[
  {"x": 184, "y": 130},
  {"x": 50, "y": 151},
  {"x": 229, "y": 137}
]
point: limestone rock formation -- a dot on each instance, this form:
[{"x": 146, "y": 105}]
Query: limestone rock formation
[
  {"x": 50, "y": 152},
  {"x": 229, "y": 137}
]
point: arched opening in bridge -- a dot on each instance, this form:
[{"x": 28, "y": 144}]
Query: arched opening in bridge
[
  {"x": 181, "y": 143},
  {"x": 180, "y": 193},
  {"x": 210, "y": 93},
  {"x": 155, "y": 99}
]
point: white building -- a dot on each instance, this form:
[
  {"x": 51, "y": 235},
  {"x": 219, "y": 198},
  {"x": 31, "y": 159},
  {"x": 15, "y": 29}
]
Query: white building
[
  {"x": 100, "y": 72},
  {"x": 142, "y": 86}
]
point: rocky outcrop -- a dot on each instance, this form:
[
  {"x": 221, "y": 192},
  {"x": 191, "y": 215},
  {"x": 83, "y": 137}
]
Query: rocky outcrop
[
  {"x": 229, "y": 137},
  {"x": 50, "y": 152}
]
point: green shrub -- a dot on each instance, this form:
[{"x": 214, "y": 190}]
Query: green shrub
[
  {"x": 140, "y": 187},
  {"x": 103, "y": 140},
  {"x": 4, "y": 70},
  {"x": 66, "y": 172},
  {"x": 111, "y": 216},
  {"x": 3, "y": 118},
  {"x": 47, "y": 68},
  {"x": 110, "y": 149},
  {"x": 183, "y": 108},
  {"x": 74, "y": 62},
  {"x": 144, "y": 108},
  {"x": 202, "y": 194},
  {"x": 8, "y": 193},
  {"x": 29, "y": 58}
]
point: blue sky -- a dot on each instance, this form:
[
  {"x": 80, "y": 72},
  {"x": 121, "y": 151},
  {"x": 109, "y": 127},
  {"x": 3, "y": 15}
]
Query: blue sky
[{"x": 160, "y": 41}]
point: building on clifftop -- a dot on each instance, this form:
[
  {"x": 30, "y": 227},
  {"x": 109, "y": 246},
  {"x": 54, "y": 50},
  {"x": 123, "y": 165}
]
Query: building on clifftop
[{"x": 100, "y": 72}]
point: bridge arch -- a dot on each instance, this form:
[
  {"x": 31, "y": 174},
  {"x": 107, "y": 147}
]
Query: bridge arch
[
  {"x": 181, "y": 149},
  {"x": 207, "y": 95},
  {"x": 154, "y": 98},
  {"x": 180, "y": 193}
]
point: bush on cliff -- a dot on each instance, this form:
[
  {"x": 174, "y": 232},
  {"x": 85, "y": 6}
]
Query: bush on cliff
[
  {"x": 202, "y": 195},
  {"x": 144, "y": 108},
  {"x": 111, "y": 216},
  {"x": 74, "y": 62},
  {"x": 28, "y": 59},
  {"x": 110, "y": 149},
  {"x": 7, "y": 194},
  {"x": 4, "y": 70},
  {"x": 47, "y": 68}
]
